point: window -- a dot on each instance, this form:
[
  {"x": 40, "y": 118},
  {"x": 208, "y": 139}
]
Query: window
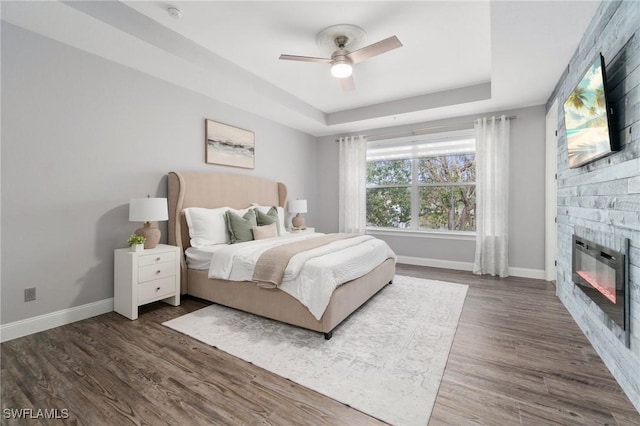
[{"x": 422, "y": 183}]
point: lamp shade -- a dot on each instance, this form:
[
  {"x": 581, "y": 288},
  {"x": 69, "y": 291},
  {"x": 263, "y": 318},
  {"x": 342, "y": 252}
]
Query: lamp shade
[
  {"x": 341, "y": 70},
  {"x": 298, "y": 206},
  {"x": 148, "y": 209}
]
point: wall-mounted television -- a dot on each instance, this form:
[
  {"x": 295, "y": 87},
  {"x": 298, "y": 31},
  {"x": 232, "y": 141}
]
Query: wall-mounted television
[{"x": 587, "y": 117}]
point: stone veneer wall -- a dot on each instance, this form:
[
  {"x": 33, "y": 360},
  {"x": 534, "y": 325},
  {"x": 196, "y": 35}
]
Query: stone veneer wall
[{"x": 601, "y": 201}]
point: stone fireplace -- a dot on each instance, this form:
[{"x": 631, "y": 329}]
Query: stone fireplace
[
  {"x": 602, "y": 274},
  {"x": 599, "y": 202}
]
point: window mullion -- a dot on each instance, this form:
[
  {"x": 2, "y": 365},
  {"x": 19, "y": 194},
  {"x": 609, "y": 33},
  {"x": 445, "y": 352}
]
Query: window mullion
[
  {"x": 415, "y": 199},
  {"x": 387, "y": 186},
  {"x": 447, "y": 184}
]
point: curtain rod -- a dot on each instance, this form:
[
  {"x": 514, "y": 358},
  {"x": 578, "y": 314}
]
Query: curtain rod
[{"x": 416, "y": 132}]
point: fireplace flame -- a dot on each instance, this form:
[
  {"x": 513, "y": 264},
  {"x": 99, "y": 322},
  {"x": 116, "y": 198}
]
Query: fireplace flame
[{"x": 594, "y": 282}]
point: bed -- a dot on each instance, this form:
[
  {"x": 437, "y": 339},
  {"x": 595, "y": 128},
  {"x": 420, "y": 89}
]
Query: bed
[{"x": 216, "y": 190}]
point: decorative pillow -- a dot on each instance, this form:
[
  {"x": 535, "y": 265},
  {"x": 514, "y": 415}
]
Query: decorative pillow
[
  {"x": 206, "y": 226},
  {"x": 267, "y": 218},
  {"x": 265, "y": 209},
  {"x": 265, "y": 231},
  {"x": 240, "y": 227}
]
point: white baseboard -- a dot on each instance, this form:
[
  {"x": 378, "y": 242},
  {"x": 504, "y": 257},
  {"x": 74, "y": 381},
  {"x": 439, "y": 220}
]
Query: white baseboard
[
  {"x": 436, "y": 263},
  {"x": 468, "y": 266},
  {"x": 16, "y": 329},
  {"x": 538, "y": 274}
]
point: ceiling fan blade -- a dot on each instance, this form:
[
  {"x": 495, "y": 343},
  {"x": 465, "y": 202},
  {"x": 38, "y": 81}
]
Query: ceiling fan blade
[
  {"x": 305, "y": 59},
  {"x": 348, "y": 84},
  {"x": 374, "y": 49}
]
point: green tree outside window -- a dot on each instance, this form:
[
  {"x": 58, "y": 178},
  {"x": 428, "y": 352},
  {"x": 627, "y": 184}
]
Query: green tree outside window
[{"x": 444, "y": 188}]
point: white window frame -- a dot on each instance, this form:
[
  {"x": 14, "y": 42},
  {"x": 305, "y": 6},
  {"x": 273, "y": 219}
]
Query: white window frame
[{"x": 415, "y": 186}]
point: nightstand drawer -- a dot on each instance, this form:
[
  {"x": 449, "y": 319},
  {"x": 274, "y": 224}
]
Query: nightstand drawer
[
  {"x": 155, "y": 289},
  {"x": 152, "y": 259},
  {"x": 152, "y": 272}
]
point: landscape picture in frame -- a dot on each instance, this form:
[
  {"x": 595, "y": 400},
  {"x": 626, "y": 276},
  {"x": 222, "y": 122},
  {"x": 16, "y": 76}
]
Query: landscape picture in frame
[{"x": 229, "y": 146}]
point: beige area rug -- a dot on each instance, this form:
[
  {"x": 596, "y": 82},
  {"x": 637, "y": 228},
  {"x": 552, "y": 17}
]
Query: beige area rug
[{"x": 386, "y": 360}]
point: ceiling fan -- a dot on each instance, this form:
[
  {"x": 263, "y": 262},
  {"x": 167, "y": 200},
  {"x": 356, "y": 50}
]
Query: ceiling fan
[{"x": 345, "y": 37}]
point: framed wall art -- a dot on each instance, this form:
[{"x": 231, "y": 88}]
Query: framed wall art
[{"x": 228, "y": 145}]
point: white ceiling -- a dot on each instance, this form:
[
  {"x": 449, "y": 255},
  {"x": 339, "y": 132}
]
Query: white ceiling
[
  {"x": 253, "y": 35},
  {"x": 458, "y": 57}
]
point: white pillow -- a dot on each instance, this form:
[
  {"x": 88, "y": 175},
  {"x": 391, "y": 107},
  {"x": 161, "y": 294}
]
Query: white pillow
[
  {"x": 240, "y": 212},
  {"x": 207, "y": 226},
  {"x": 264, "y": 209}
]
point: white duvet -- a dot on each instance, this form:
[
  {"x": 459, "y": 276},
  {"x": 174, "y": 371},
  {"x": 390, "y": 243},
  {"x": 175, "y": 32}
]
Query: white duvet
[{"x": 311, "y": 276}]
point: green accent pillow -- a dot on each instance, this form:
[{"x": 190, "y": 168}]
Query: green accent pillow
[
  {"x": 240, "y": 227},
  {"x": 267, "y": 218}
]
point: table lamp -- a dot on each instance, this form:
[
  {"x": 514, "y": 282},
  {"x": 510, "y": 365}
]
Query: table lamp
[
  {"x": 298, "y": 206},
  {"x": 148, "y": 210}
]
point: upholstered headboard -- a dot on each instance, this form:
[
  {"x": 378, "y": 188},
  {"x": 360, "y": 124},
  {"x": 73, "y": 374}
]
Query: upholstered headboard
[{"x": 212, "y": 190}]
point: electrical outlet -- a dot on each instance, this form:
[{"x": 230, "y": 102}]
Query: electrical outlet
[{"x": 29, "y": 294}]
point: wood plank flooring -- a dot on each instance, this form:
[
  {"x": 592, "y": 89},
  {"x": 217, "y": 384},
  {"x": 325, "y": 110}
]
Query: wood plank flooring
[{"x": 517, "y": 358}]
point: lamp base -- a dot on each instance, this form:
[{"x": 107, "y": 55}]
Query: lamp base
[
  {"x": 151, "y": 233},
  {"x": 298, "y": 221}
]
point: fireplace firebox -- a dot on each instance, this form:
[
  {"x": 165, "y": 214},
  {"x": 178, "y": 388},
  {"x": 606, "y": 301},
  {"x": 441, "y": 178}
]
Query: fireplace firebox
[{"x": 602, "y": 274}]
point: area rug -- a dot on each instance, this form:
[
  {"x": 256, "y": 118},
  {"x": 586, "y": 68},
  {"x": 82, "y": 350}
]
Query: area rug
[{"x": 386, "y": 360}]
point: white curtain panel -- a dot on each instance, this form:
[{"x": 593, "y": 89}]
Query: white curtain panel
[
  {"x": 352, "y": 180},
  {"x": 492, "y": 196}
]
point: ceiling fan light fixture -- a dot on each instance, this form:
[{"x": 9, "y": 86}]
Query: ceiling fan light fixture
[
  {"x": 346, "y": 38},
  {"x": 341, "y": 69}
]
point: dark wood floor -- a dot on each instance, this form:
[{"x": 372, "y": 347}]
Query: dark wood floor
[{"x": 517, "y": 358}]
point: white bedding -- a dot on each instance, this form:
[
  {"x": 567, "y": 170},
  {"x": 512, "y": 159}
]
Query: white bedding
[
  {"x": 311, "y": 276},
  {"x": 200, "y": 257}
]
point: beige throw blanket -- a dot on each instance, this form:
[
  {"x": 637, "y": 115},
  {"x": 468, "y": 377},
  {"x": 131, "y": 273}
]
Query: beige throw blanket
[{"x": 272, "y": 263}]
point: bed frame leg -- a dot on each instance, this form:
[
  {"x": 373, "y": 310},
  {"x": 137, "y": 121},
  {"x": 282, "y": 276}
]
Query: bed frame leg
[{"x": 390, "y": 281}]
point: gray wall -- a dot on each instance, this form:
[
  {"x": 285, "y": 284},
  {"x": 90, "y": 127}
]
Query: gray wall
[
  {"x": 81, "y": 136},
  {"x": 526, "y": 204},
  {"x": 601, "y": 201}
]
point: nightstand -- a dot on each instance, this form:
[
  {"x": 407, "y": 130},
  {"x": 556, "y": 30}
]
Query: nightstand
[
  {"x": 144, "y": 277},
  {"x": 302, "y": 231}
]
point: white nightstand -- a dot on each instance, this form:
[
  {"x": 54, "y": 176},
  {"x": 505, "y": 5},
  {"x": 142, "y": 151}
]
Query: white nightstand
[
  {"x": 302, "y": 231},
  {"x": 145, "y": 277}
]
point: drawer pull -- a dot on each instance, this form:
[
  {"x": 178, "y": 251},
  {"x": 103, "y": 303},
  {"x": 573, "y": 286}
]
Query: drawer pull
[
  {"x": 158, "y": 259},
  {"x": 158, "y": 271},
  {"x": 158, "y": 289}
]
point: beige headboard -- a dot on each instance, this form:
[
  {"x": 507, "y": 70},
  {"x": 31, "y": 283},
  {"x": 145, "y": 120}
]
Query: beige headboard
[{"x": 211, "y": 190}]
